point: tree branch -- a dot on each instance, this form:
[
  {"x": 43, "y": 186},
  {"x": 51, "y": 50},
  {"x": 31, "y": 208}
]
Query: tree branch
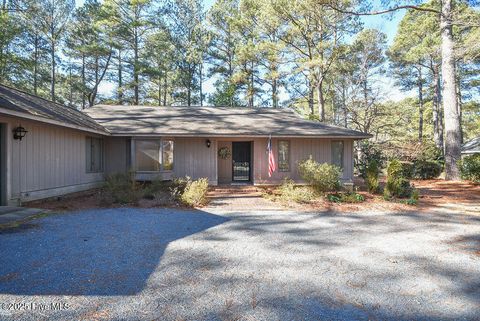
[{"x": 374, "y": 13}]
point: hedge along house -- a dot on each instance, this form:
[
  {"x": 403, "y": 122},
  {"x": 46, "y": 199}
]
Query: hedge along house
[
  {"x": 226, "y": 145},
  {"x": 48, "y": 149}
]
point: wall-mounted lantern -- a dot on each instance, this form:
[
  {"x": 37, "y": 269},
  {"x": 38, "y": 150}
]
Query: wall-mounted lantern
[
  {"x": 19, "y": 132},
  {"x": 208, "y": 143}
]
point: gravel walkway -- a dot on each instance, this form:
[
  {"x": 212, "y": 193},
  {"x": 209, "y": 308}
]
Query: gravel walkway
[{"x": 132, "y": 264}]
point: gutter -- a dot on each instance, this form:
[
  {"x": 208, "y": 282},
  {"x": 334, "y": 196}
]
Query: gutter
[{"x": 203, "y": 135}]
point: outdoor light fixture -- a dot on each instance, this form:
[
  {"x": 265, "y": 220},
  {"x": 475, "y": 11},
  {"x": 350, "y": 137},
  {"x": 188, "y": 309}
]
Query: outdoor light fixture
[
  {"x": 19, "y": 132},
  {"x": 208, "y": 143}
]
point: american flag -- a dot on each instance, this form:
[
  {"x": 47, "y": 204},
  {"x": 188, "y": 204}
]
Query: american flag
[{"x": 271, "y": 158}]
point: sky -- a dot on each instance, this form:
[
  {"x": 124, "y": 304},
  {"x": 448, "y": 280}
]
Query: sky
[{"x": 386, "y": 23}]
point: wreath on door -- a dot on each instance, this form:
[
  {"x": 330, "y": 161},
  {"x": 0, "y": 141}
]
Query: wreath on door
[{"x": 224, "y": 153}]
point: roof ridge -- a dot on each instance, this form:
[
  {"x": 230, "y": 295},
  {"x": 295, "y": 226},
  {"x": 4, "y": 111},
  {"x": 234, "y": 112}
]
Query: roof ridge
[{"x": 283, "y": 109}]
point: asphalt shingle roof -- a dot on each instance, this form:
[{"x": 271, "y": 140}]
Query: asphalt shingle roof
[
  {"x": 19, "y": 101},
  {"x": 211, "y": 121},
  {"x": 472, "y": 146}
]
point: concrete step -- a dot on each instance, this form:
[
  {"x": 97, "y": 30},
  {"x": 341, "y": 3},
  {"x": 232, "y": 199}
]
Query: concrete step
[{"x": 9, "y": 214}]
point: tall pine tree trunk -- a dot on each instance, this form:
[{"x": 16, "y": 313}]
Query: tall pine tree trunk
[
  {"x": 344, "y": 105},
  {"x": 201, "y": 83},
  {"x": 274, "y": 93},
  {"x": 135, "y": 70},
  {"x": 321, "y": 101},
  {"x": 420, "y": 104},
  {"x": 52, "y": 76},
  {"x": 83, "y": 82},
  {"x": 165, "y": 88},
  {"x": 437, "y": 114},
  {"x": 160, "y": 90},
  {"x": 453, "y": 139},
  {"x": 120, "y": 79},
  {"x": 459, "y": 106},
  {"x": 251, "y": 87},
  {"x": 35, "y": 64}
]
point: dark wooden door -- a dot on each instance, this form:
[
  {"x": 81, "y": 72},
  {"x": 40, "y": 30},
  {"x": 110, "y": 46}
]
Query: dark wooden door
[{"x": 241, "y": 157}]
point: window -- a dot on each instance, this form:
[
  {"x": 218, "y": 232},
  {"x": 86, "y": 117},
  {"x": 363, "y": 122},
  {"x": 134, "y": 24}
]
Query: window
[
  {"x": 337, "y": 153},
  {"x": 283, "y": 156},
  {"x": 94, "y": 153},
  {"x": 147, "y": 155},
  {"x": 153, "y": 155},
  {"x": 167, "y": 155}
]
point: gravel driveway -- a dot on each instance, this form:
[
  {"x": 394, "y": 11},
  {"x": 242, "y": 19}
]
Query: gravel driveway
[{"x": 133, "y": 264}]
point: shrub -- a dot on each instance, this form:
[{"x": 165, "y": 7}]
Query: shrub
[
  {"x": 397, "y": 185},
  {"x": 371, "y": 177},
  {"x": 407, "y": 169},
  {"x": 368, "y": 153},
  {"x": 154, "y": 188},
  {"x": 298, "y": 194},
  {"x": 178, "y": 186},
  {"x": 322, "y": 177},
  {"x": 470, "y": 168},
  {"x": 195, "y": 192},
  {"x": 121, "y": 188},
  {"x": 427, "y": 169},
  {"x": 413, "y": 200},
  {"x": 345, "y": 198}
]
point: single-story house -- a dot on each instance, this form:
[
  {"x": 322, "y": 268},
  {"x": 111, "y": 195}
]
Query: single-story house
[
  {"x": 471, "y": 147},
  {"x": 48, "y": 149}
]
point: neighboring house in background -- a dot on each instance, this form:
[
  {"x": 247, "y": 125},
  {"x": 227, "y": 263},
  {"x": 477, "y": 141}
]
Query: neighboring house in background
[
  {"x": 471, "y": 147},
  {"x": 66, "y": 150}
]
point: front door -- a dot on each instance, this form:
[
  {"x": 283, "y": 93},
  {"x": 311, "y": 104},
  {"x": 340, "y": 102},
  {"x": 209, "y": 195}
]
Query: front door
[{"x": 241, "y": 157}]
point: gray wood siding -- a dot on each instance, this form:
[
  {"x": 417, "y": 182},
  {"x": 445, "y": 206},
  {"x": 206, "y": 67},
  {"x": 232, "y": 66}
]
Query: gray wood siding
[
  {"x": 225, "y": 165},
  {"x": 117, "y": 153},
  {"x": 300, "y": 149},
  {"x": 193, "y": 158},
  {"x": 49, "y": 161}
]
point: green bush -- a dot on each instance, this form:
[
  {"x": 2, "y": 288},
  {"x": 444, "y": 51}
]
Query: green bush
[
  {"x": 407, "y": 169},
  {"x": 289, "y": 192},
  {"x": 195, "y": 192},
  {"x": 397, "y": 185},
  {"x": 427, "y": 169},
  {"x": 371, "y": 177},
  {"x": 177, "y": 187},
  {"x": 430, "y": 152},
  {"x": 368, "y": 153},
  {"x": 121, "y": 188},
  {"x": 470, "y": 168},
  {"x": 345, "y": 198},
  {"x": 322, "y": 177},
  {"x": 155, "y": 187}
]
